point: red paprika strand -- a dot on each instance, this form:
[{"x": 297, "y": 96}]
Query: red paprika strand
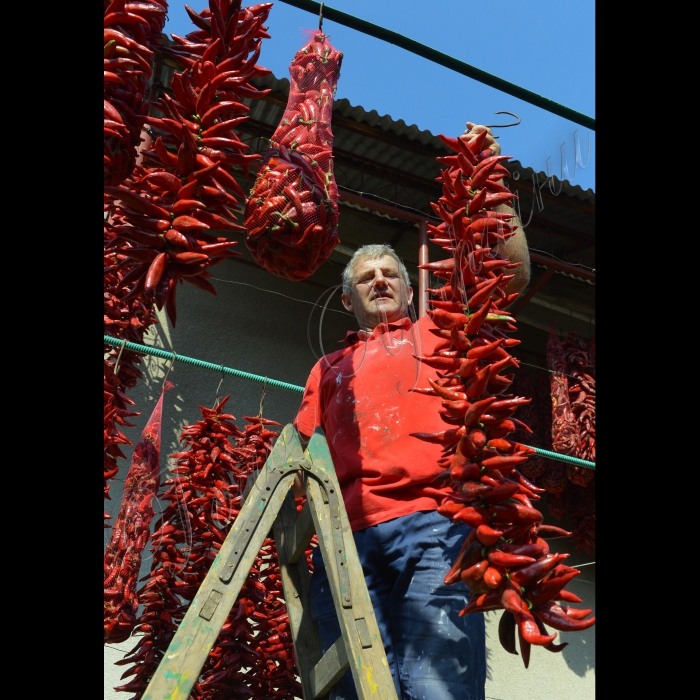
[{"x": 485, "y": 466}]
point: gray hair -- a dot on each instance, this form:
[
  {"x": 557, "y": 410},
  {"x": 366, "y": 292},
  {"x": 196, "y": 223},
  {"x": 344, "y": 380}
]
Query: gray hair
[{"x": 374, "y": 251}]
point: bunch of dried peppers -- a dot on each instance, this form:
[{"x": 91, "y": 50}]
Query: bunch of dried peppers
[
  {"x": 252, "y": 657},
  {"x": 292, "y": 213},
  {"x": 158, "y": 228},
  {"x": 130, "y": 533},
  {"x": 127, "y": 318},
  {"x": 132, "y": 32},
  {"x": 505, "y": 560},
  {"x": 185, "y": 190}
]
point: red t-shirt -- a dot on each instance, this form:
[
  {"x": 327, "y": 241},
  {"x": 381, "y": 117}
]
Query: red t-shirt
[{"x": 362, "y": 397}]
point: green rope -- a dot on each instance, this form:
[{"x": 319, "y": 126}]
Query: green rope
[
  {"x": 564, "y": 458},
  {"x": 164, "y": 354},
  {"x": 157, "y": 352},
  {"x": 444, "y": 60}
]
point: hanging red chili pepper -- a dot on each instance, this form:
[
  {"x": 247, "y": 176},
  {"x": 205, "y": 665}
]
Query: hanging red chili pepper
[{"x": 292, "y": 213}]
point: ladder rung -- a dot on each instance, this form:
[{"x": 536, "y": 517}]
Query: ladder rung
[
  {"x": 328, "y": 671},
  {"x": 301, "y": 535}
]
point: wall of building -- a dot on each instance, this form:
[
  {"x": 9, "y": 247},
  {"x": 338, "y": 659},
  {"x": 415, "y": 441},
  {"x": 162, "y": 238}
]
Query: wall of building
[{"x": 264, "y": 325}]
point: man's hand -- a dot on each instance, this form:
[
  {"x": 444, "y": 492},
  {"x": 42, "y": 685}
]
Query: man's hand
[{"x": 473, "y": 130}]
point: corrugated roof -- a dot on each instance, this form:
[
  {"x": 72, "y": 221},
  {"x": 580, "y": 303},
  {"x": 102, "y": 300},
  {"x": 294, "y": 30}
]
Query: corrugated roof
[{"x": 372, "y": 149}]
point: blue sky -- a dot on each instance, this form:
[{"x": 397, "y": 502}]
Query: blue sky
[{"x": 547, "y": 47}]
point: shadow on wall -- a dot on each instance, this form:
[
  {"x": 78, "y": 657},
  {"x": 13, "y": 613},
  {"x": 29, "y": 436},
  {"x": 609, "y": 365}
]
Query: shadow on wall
[{"x": 580, "y": 654}]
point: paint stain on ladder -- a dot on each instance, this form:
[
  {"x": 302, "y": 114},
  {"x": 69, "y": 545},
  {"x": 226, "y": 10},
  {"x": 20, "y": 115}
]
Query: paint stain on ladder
[{"x": 370, "y": 679}]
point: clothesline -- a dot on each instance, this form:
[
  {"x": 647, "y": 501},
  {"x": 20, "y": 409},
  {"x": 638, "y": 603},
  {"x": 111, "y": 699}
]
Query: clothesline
[{"x": 166, "y": 355}]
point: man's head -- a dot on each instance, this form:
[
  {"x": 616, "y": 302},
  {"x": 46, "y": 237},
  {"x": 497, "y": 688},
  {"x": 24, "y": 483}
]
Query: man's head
[{"x": 376, "y": 287}]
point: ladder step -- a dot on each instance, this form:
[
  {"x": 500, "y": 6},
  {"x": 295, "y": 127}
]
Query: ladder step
[{"x": 330, "y": 669}]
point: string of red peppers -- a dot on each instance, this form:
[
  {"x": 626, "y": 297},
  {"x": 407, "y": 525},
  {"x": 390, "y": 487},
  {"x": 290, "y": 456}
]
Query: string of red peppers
[
  {"x": 185, "y": 190},
  {"x": 156, "y": 233},
  {"x": 573, "y": 432},
  {"x": 565, "y": 497},
  {"x": 505, "y": 560},
  {"x": 130, "y": 533},
  {"x": 252, "y": 657},
  {"x": 126, "y": 320},
  {"x": 132, "y": 31},
  {"x": 292, "y": 213}
]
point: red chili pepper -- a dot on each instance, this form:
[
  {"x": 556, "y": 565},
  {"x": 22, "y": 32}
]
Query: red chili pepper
[
  {"x": 532, "y": 549},
  {"x": 500, "y": 558},
  {"x": 493, "y": 576},
  {"x": 137, "y": 202},
  {"x": 472, "y": 576},
  {"x": 530, "y": 573},
  {"x": 548, "y": 531},
  {"x": 469, "y": 554},
  {"x": 488, "y": 535},
  {"x": 500, "y": 493},
  {"x": 514, "y": 513},
  {"x": 484, "y": 602},
  {"x": 465, "y": 472},
  {"x": 567, "y": 597},
  {"x": 472, "y": 489},
  {"x": 476, "y": 319},
  {"x": 530, "y": 631},
  {"x": 478, "y": 202},
  {"x": 450, "y": 508},
  {"x": 511, "y": 598},
  {"x": 473, "y": 516},
  {"x": 506, "y": 632},
  {"x": 458, "y": 409},
  {"x": 553, "y": 615},
  {"x": 478, "y": 384},
  {"x": 504, "y": 463},
  {"x": 155, "y": 271},
  {"x": 445, "y": 437}
]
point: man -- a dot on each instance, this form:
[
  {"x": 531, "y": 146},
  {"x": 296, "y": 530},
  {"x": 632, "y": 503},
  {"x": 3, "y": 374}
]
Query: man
[{"x": 362, "y": 397}]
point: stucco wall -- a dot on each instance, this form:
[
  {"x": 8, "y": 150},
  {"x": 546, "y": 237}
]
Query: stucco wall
[{"x": 253, "y": 325}]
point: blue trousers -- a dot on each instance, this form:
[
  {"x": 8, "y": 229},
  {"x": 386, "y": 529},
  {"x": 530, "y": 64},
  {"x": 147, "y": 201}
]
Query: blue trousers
[{"x": 433, "y": 653}]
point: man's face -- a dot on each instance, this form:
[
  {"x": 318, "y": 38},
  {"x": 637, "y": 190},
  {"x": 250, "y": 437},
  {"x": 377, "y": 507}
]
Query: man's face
[{"x": 379, "y": 293}]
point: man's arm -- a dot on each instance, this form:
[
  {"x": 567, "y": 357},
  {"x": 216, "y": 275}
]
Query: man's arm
[{"x": 515, "y": 248}]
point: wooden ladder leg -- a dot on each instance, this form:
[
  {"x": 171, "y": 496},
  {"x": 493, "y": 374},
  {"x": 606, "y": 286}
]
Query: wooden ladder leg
[
  {"x": 360, "y": 644},
  {"x": 292, "y": 536},
  {"x": 188, "y": 650}
]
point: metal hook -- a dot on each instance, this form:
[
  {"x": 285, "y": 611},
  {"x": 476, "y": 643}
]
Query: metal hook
[
  {"x": 119, "y": 357},
  {"x": 262, "y": 398},
  {"x": 216, "y": 399},
  {"x": 172, "y": 362},
  {"x": 503, "y": 126},
  {"x": 320, "y": 17}
]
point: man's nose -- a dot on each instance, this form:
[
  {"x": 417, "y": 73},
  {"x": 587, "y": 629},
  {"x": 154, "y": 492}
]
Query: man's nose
[{"x": 379, "y": 279}]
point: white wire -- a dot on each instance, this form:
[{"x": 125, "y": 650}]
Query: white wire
[{"x": 303, "y": 301}]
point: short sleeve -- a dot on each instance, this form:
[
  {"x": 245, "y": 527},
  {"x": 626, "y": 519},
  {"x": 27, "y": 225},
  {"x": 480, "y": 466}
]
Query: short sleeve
[{"x": 309, "y": 415}]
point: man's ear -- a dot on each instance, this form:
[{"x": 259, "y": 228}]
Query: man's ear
[
  {"x": 409, "y": 294},
  {"x": 347, "y": 301}
]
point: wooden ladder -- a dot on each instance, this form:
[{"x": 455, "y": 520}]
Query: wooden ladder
[{"x": 270, "y": 504}]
